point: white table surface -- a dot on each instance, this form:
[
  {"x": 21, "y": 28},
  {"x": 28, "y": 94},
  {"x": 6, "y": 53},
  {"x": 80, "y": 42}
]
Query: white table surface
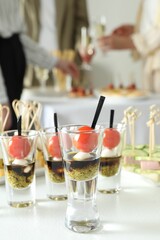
[
  {"x": 81, "y": 110},
  {"x": 133, "y": 214}
]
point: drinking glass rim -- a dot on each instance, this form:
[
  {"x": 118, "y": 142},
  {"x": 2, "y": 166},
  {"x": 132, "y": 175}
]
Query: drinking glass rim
[
  {"x": 64, "y": 128},
  {"x": 44, "y": 130},
  {"x": 4, "y": 134},
  {"x": 115, "y": 125}
]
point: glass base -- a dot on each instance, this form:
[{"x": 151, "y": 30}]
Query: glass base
[
  {"x": 83, "y": 226},
  {"x": 57, "y": 197},
  {"x": 110, "y": 184},
  {"x": 109, "y": 191},
  {"x": 21, "y": 204}
]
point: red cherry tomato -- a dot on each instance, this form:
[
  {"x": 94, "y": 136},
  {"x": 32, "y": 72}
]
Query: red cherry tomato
[
  {"x": 19, "y": 147},
  {"x": 86, "y": 142},
  {"x": 54, "y": 147},
  {"x": 111, "y": 138}
]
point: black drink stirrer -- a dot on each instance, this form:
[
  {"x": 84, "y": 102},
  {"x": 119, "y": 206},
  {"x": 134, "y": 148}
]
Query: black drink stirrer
[
  {"x": 98, "y": 110},
  {"x": 55, "y": 122},
  {"x": 111, "y": 118},
  {"x": 19, "y": 122}
]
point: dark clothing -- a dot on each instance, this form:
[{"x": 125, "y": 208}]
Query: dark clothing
[{"x": 13, "y": 65}]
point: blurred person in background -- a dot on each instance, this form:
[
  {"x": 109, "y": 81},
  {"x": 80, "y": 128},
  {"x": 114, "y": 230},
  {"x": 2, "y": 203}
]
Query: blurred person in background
[
  {"x": 16, "y": 49},
  {"x": 55, "y": 24},
  {"x": 143, "y": 39}
]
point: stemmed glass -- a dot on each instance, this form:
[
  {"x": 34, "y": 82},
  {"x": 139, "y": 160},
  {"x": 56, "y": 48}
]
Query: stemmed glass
[
  {"x": 42, "y": 75},
  {"x": 100, "y": 27},
  {"x": 86, "y": 49}
]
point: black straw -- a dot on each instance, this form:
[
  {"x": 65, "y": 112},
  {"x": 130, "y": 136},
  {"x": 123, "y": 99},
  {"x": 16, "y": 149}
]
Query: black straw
[
  {"x": 111, "y": 118},
  {"x": 19, "y": 122},
  {"x": 55, "y": 122},
  {"x": 98, "y": 110}
]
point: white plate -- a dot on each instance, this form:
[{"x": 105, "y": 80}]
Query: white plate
[
  {"x": 124, "y": 98},
  {"x": 39, "y": 172}
]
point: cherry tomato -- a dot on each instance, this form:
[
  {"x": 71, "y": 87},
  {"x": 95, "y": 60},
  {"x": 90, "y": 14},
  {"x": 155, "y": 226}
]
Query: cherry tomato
[
  {"x": 54, "y": 147},
  {"x": 111, "y": 138},
  {"x": 19, "y": 147},
  {"x": 86, "y": 142}
]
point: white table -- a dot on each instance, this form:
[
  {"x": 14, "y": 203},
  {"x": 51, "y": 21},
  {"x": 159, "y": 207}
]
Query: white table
[
  {"x": 132, "y": 214},
  {"x": 81, "y": 110}
]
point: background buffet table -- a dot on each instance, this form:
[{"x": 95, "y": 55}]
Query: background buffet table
[
  {"x": 81, "y": 110},
  {"x": 132, "y": 214}
]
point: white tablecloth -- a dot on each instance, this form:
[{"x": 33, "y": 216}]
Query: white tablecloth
[
  {"x": 132, "y": 214},
  {"x": 81, "y": 110}
]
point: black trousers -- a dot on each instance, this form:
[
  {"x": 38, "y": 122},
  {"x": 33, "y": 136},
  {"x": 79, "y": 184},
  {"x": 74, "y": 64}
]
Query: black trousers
[{"x": 13, "y": 65}]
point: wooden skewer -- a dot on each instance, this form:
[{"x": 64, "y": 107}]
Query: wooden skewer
[
  {"x": 21, "y": 108},
  {"x": 14, "y": 105},
  {"x": 39, "y": 112},
  {"x": 154, "y": 119},
  {"x": 35, "y": 113},
  {"x": 5, "y": 108},
  {"x": 131, "y": 114},
  {"x": 1, "y": 118},
  {"x": 4, "y": 115},
  {"x": 150, "y": 141},
  {"x": 133, "y": 135},
  {"x": 30, "y": 112}
]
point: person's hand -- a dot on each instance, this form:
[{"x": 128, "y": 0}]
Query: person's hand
[
  {"x": 124, "y": 30},
  {"x": 68, "y": 67},
  {"x": 115, "y": 42}
]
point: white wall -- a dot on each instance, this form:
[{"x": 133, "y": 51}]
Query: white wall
[{"x": 108, "y": 67}]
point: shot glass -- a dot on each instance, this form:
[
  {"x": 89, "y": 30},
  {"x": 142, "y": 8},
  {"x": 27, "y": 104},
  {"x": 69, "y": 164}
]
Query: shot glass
[
  {"x": 19, "y": 166},
  {"x": 81, "y": 147},
  {"x": 54, "y": 170},
  {"x": 111, "y": 158}
]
